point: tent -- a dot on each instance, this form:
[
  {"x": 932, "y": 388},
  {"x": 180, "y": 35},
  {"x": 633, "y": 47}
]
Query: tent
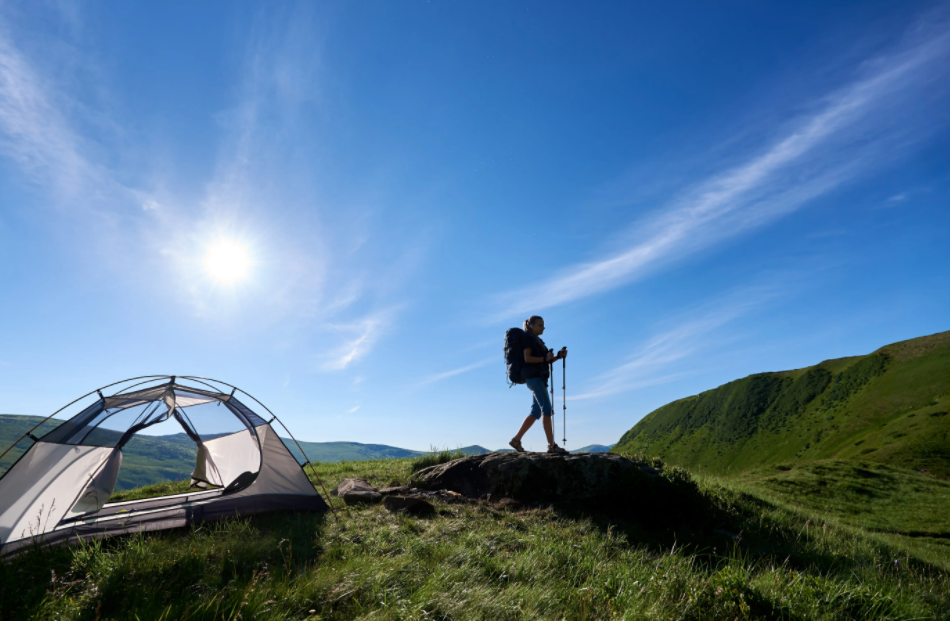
[{"x": 58, "y": 490}]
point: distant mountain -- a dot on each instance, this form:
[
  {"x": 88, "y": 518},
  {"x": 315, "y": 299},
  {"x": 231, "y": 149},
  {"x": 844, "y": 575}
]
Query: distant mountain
[
  {"x": 354, "y": 451},
  {"x": 473, "y": 450},
  {"x": 890, "y": 407},
  {"x": 348, "y": 451},
  {"x": 594, "y": 448}
]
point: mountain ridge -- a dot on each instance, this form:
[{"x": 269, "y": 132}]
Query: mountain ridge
[
  {"x": 594, "y": 448},
  {"x": 889, "y": 406}
]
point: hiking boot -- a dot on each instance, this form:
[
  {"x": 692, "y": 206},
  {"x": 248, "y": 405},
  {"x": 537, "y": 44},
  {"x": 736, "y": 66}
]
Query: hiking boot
[
  {"x": 556, "y": 450},
  {"x": 516, "y": 444}
]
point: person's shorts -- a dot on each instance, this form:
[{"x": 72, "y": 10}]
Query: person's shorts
[{"x": 540, "y": 400}]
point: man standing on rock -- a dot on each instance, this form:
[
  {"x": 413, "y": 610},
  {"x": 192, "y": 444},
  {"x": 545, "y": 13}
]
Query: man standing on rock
[{"x": 535, "y": 373}]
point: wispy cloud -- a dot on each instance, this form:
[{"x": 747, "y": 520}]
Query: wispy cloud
[
  {"x": 33, "y": 131},
  {"x": 365, "y": 334},
  {"x": 691, "y": 333},
  {"x": 38, "y": 130},
  {"x": 438, "y": 377},
  {"x": 852, "y": 131},
  {"x": 353, "y": 409}
]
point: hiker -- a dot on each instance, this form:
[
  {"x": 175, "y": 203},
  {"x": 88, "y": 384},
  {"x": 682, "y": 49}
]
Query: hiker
[{"x": 535, "y": 372}]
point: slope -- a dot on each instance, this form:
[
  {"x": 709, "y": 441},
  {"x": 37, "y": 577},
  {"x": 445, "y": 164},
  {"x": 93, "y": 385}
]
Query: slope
[{"x": 888, "y": 407}]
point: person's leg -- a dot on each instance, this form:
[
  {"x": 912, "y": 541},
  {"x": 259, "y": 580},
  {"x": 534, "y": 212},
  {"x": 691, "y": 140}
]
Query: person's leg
[
  {"x": 535, "y": 411},
  {"x": 525, "y": 426},
  {"x": 548, "y": 429},
  {"x": 542, "y": 405}
]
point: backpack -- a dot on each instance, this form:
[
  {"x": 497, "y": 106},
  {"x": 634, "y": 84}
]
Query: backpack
[{"x": 514, "y": 354}]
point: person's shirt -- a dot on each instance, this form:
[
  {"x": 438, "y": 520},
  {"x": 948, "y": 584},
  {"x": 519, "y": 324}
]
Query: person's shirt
[{"x": 538, "y": 350}]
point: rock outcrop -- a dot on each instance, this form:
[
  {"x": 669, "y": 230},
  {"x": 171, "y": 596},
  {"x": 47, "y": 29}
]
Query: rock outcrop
[
  {"x": 356, "y": 491},
  {"x": 539, "y": 477},
  {"x": 600, "y": 482}
]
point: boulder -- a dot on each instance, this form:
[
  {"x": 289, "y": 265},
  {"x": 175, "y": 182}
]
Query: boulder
[
  {"x": 414, "y": 506},
  {"x": 397, "y": 489},
  {"x": 540, "y": 477},
  {"x": 356, "y": 491}
]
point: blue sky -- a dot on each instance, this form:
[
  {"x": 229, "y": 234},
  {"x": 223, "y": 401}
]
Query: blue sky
[{"x": 688, "y": 193}]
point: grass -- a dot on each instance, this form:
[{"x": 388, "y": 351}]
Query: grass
[
  {"x": 434, "y": 457},
  {"x": 909, "y": 509},
  {"x": 165, "y": 488},
  {"x": 746, "y": 555}
]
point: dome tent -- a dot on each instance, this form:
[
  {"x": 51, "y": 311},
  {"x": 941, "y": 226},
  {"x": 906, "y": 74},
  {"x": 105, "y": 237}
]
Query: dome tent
[{"x": 58, "y": 489}]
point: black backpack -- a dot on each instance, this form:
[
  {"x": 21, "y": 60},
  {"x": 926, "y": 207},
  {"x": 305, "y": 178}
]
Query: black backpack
[{"x": 514, "y": 354}]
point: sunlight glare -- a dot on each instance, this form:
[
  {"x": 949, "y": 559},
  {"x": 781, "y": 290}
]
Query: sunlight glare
[{"x": 227, "y": 262}]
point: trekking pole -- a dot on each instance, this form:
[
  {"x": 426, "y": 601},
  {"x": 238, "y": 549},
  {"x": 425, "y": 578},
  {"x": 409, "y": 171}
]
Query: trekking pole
[
  {"x": 564, "y": 398},
  {"x": 551, "y": 375}
]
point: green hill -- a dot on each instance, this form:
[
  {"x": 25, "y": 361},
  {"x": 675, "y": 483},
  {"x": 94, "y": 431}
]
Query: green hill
[
  {"x": 889, "y": 407},
  {"x": 348, "y": 451}
]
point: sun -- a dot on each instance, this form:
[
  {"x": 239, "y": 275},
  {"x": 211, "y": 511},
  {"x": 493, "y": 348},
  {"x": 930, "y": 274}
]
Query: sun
[{"x": 228, "y": 262}]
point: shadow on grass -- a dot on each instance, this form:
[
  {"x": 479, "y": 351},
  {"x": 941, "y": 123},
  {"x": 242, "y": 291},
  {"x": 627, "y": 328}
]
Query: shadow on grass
[
  {"x": 166, "y": 574},
  {"x": 716, "y": 525}
]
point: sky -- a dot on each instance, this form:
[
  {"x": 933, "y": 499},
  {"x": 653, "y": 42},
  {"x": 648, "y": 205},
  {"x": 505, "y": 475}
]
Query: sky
[{"x": 340, "y": 207}]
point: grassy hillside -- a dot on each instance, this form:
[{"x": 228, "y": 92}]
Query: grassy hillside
[
  {"x": 889, "y": 407},
  {"x": 742, "y": 556},
  {"x": 906, "y": 507}
]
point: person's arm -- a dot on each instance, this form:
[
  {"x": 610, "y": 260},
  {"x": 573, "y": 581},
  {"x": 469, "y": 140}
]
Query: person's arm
[{"x": 528, "y": 358}]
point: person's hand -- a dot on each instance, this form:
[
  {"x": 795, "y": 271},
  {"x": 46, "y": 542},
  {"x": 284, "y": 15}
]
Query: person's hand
[
  {"x": 562, "y": 353},
  {"x": 549, "y": 357}
]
